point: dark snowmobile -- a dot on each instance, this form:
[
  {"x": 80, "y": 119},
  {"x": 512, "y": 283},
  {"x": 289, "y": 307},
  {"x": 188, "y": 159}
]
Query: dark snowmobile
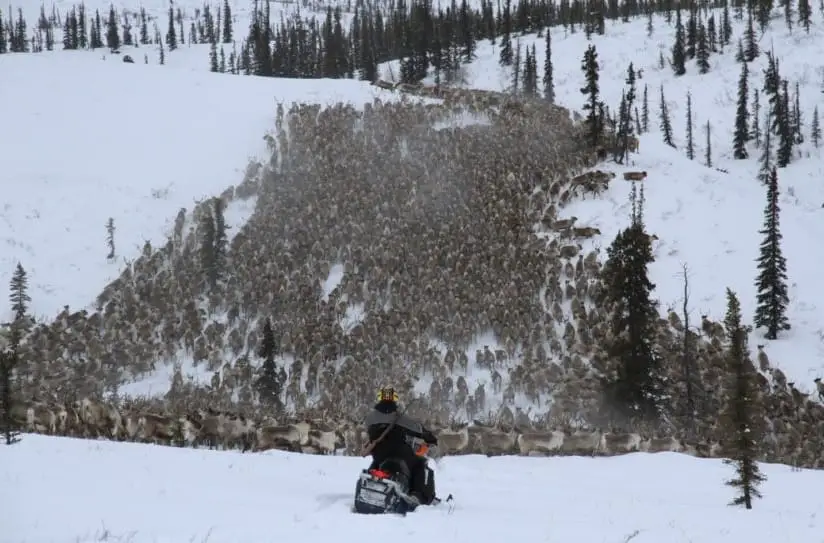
[{"x": 386, "y": 489}]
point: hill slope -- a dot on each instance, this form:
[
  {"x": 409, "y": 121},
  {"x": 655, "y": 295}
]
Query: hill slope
[
  {"x": 132, "y": 142},
  {"x": 707, "y": 218},
  {"x": 66, "y": 490}
]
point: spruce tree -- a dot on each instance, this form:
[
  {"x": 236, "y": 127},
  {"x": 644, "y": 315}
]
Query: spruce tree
[
  {"x": 624, "y": 124},
  {"x": 645, "y": 111},
  {"x": 181, "y": 34},
  {"x": 755, "y": 132},
  {"x": 206, "y": 237},
  {"x": 516, "y": 69},
  {"x": 67, "y": 34},
  {"x": 128, "y": 41},
  {"x": 783, "y": 121},
  {"x": 741, "y": 134},
  {"x": 771, "y": 283},
  {"x": 8, "y": 425},
  {"x": 708, "y": 149},
  {"x": 702, "y": 50},
  {"x": 171, "y": 34},
  {"x": 751, "y": 50},
  {"x": 742, "y": 414},
  {"x": 506, "y": 54},
  {"x": 110, "y": 238},
  {"x": 638, "y": 128},
  {"x": 20, "y": 300},
  {"x": 112, "y": 31},
  {"x": 772, "y": 88},
  {"x": 815, "y": 129},
  {"x": 466, "y": 33},
  {"x": 679, "y": 56},
  {"x": 666, "y": 124},
  {"x": 549, "y": 83},
  {"x": 763, "y": 13},
  {"x": 805, "y": 13},
  {"x": 269, "y": 384},
  {"x": 797, "y": 120},
  {"x": 532, "y": 80},
  {"x": 593, "y": 105},
  {"x": 97, "y": 42},
  {"x": 766, "y": 167},
  {"x": 144, "y": 27},
  {"x": 712, "y": 34},
  {"x": 4, "y": 44},
  {"x": 9, "y": 354},
  {"x": 227, "y": 22},
  {"x": 637, "y": 386},
  {"x": 625, "y": 128},
  {"x": 82, "y": 30},
  {"x": 726, "y": 26},
  {"x": 691, "y": 34},
  {"x": 788, "y": 14},
  {"x": 690, "y": 142},
  {"x": 213, "y": 64}
]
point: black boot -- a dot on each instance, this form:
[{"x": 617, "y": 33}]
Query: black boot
[{"x": 417, "y": 482}]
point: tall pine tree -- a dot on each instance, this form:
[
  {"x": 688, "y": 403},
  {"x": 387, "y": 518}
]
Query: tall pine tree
[
  {"x": 171, "y": 33},
  {"x": 227, "y": 22},
  {"x": 679, "y": 54},
  {"x": 593, "y": 105},
  {"x": 784, "y": 127},
  {"x": 702, "y": 50},
  {"x": 549, "y": 82},
  {"x": 771, "y": 283},
  {"x": 666, "y": 123},
  {"x": 637, "y": 385},
  {"x": 741, "y": 416},
  {"x": 270, "y": 383},
  {"x": 741, "y": 134},
  {"x": 690, "y": 140}
]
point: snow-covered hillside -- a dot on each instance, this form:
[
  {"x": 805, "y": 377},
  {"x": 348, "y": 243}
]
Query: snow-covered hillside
[
  {"x": 707, "y": 218},
  {"x": 136, "y": 143},
  {"x": 66, "y": 490},
  {"x": 131, "y": 142}
]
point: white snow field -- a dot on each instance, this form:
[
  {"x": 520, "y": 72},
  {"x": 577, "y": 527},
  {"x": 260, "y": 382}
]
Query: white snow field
[
  {"x": 61, "y": 490},
  {"x": 127, "y": 141}
]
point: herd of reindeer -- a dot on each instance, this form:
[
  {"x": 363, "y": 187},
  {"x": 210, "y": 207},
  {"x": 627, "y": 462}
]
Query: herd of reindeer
[{"x": 440, "y": 233}]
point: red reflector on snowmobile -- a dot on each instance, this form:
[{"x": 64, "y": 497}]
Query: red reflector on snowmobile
[{"x": 380, "y": 474}]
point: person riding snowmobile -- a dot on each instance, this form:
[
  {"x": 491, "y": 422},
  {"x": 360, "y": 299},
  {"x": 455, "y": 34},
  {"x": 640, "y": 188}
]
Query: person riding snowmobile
[{"x": 399, "y": 442}]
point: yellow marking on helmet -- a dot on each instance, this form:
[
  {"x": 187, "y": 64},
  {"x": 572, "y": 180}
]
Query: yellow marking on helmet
[{"x": 387, "y": 394}]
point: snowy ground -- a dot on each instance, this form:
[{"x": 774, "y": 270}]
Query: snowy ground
[
  {"x": 78, "y": 491},
  {"x": 706, "y": 219}
]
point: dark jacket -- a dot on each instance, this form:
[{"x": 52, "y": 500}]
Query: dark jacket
[{"x": 398, "y": 442}]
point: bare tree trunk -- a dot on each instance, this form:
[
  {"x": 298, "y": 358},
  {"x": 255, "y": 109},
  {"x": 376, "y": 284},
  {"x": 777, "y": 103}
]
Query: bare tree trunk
[{"x": 687, "y": 354}]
